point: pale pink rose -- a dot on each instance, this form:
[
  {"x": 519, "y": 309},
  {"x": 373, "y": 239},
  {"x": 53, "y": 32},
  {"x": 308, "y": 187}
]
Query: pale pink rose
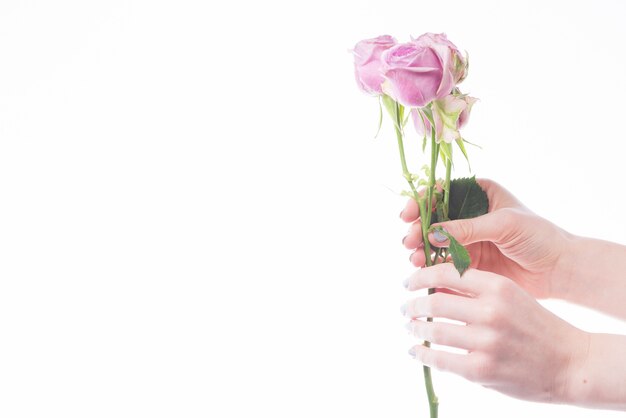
[
  {"x": 449, "y": 114},
  {"x": 450, "y": 54},
  {"x": 464, "y": 116},
  {"x": 367, "y": 62},
  {"x": 416, "y": 74}
]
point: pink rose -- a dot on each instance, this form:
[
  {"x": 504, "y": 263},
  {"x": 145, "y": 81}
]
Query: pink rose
[
  {"x": 464, "y": 116},
  {"x": 416, "y": 74},
  {"x": 367, "y": 63},
  {"x": 450, "y": 114},
  {"x": 448, "y": 52}
]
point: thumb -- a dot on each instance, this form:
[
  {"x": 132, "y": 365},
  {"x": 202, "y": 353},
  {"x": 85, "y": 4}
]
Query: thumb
[{"x": 492, "y": 227}]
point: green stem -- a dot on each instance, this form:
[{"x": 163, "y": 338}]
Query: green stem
[
  {"x": 433, "y": 402},
  {"x": 400, "y": 135},
  {"x": 446, "y": 196}
]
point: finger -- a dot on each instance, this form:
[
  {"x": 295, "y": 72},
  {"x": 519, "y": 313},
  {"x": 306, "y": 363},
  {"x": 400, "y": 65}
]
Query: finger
[
  {"x": 441, "y": 305},
  {"x": 499, "y": 197},
  {"x": 494, "y": 227},
  {"x": 474, "y": 282},
  {"x": 413, "y": 238},
  {"x": 451, "y": 292},
  {"x": 461, "y": 364},
  {"x": 418, "y": 259},
  {"x": 451, "y": 335},
  {"x": 411, "y": 211}
]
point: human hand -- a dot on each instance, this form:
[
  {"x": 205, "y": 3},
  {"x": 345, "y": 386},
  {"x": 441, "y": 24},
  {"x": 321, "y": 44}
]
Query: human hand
[
  {"x": 515, "y": 346},
  {"x": 509, "y": 240}
]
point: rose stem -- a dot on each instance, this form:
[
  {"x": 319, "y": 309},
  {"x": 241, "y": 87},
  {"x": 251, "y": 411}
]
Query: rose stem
[
  {"x": 433, "y": 402},
  {"x": 400, "y": 135}
]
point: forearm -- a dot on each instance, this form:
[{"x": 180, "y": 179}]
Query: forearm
[
  {"x": 598, "y": 373},
  {"x": 596, "y": 275}
]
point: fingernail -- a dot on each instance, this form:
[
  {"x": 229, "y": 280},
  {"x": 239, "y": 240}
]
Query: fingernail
[
  {"x": 400, "y": 216},
  {"x": 405, "y": 283},
  {"x": 410, "y": 256},
  {"x": 439, "y": 237},
  {"x": 403, "y": 309},
  {"x": 412, "y": 352},
  {"x": 409, "y": 327},
  {"x": 404, "y": 239}
]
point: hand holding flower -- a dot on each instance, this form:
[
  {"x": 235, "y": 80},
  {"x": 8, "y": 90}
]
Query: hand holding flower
[
  {"x": 510, "y": 240},
  {"x": 510, "y": 338}
]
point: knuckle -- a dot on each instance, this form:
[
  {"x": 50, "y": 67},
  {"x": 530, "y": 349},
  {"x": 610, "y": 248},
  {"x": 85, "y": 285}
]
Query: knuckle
[
  {"x": 512, "y": 216},
  {"x": 491, "y": 313},
  {"x": 465, "y": 230},
  {"x": 482, "y": 370},
  {"x": 507, "y": 215},
  {"x": 490, "y": 342},
  {"x": 500, "y": 288}
]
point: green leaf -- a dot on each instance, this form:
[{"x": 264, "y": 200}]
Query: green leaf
[
  {"x": 390, "y": 105},
  {"x": 460, "y": 256},
  {"x": 406, "y": 119},
  {"x": 459, "y": 142},
  {"x": 380, "y": 118},
  {"x": 446, "y": 151},
  {"x": 428, "y": 112},
  {"x": 467, "y": 199},
  {"x": 471, "y": 143}
]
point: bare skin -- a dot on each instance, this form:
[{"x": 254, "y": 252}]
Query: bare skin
[{"x": 515, "y": 345}]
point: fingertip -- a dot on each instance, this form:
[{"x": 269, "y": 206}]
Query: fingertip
[
  {"x": 410, "y": 212},
  {"x": 418, "y": 259},
  {"x": 413, "y": 239}
]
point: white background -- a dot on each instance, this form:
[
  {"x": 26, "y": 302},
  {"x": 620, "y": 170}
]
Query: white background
[{"x": 195, "y": 218}]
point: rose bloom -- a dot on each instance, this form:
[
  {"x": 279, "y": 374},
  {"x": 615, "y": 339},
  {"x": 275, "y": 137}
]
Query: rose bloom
[
  {"x": 367, "y": 62},
  {"x": 457, "y": 64},
  {"x": 450, "y": 114},
  {"x": 423, "y": 70}
]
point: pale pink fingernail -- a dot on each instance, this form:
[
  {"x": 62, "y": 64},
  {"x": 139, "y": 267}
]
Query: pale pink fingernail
[
  {"x": 439, "y": 237},
  {"x": 412, "y": 352},
  {"x": 405, "y": 283}
]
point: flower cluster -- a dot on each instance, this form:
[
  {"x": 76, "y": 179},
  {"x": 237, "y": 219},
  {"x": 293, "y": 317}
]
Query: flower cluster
[{"x": 422, "y": 75}]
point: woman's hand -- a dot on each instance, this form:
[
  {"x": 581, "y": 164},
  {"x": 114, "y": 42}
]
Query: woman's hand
[
  {"x": 510, "y": 240},
  {"x": 515, "y": 346}
]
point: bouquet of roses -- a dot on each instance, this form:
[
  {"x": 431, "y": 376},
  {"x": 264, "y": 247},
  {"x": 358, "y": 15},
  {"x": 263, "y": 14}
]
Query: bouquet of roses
[{"x": 419, "y": 80}]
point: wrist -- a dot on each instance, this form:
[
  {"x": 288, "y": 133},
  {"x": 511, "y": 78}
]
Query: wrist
[
  {"x": 595, "y": 375},
  {"x": 567, "y": 266},
  {"x": 572, "y": 383}
]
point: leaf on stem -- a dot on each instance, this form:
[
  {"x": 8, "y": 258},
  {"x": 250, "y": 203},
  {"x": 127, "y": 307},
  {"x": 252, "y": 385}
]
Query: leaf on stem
[
  {"x": 395, "y": 112},
  {"x": 471, "y": 143},
  {"x": 446, "y": 152},
  {"x": 459, "y": 142},
  {"x": 467, "y": 199},
  {"x": 460, "y": 256}
]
